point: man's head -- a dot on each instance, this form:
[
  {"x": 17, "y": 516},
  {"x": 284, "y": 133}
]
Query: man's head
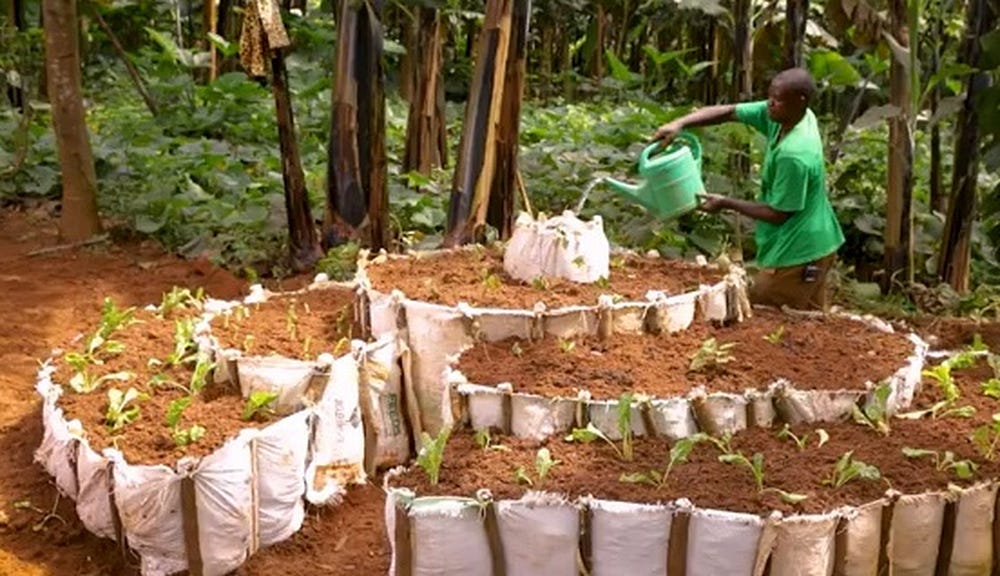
[{"x": 789, "y": 95}]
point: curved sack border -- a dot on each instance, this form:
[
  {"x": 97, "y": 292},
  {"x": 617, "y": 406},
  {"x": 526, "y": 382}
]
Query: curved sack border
[
  {"x": 209, "y": 514},
  {"x": 545, "y": 533},
  {"x": 527, "y": 415},
  {"x": 299, "y": 383},
  {"x": 433, "y": 332}
]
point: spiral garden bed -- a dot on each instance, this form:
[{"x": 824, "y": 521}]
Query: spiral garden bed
[
  {"x": 918, "y": 496},
  {"x": 171, "y": 460}
]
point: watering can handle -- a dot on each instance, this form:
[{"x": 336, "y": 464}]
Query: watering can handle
[{"x": 690, "y": 139}]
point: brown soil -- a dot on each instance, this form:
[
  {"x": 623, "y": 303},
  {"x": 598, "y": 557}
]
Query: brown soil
[
  {"x": 957, "y": 333},
  {"x": 299, "y": 326},
  {"x": 477, "y": 277},
  {"x": 823, "y": 353},
  {"x": 595, "y": 469}
]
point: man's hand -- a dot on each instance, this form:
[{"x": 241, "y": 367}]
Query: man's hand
[
  {"x": 712, "y": 203},
  {"x": 666, "y": 133}
]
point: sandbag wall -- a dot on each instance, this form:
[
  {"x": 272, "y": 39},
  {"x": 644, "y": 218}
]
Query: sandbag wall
[
  {"x": 951, "y": 533},
  {"x": 430, "y": 335},
  {"x": 534, "y": 416},
  {"x": 208, "y": 515}
]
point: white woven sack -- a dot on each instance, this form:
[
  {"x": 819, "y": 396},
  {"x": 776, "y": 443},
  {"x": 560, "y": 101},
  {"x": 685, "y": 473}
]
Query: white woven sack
[
  {"x": 539, "y": 534},
  {"x": 558, "y": 247}
]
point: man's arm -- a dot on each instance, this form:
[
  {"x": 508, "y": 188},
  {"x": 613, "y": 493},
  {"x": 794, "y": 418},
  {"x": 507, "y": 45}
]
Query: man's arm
[
  {"x": 707, "y": 116},
  {"x": 755, "y": 210}
]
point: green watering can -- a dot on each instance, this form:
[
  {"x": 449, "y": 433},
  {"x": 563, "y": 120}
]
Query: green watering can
[{"x": 671, "y": 180}]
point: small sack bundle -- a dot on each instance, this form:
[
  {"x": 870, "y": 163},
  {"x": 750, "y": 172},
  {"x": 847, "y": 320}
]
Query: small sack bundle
[{"x": 558, "y": 247}]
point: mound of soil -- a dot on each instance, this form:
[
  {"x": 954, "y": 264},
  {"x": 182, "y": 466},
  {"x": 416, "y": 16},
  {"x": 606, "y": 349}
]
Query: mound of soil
[
  {"x": 298, "y": 326},
  {"x": 477, "y": 277},
  {"x": 595, "y": 468},
  {"x": 148, "y": 439},
  {"x": 828, "y": 353}
]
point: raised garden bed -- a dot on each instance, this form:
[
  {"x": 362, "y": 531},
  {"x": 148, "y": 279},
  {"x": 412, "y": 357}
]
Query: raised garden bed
[
  {"x": 440, "y": 302},
  {"x": 917, "y": 496},
  {"x": 181, "y": 467},
  {"x": 777, "y": 367}
]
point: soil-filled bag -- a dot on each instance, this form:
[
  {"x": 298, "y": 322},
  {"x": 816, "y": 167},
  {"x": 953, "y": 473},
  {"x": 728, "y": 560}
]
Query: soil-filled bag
[
  {"x": 280, "y": 451},
  {"x": 805, "y": 546},
  {"x": 539, "y": 534},
  {"x": 671, "y": 314},
  {"x": 915, "y": 535},
  {"x": 860, "y": 540},
  {"x": 287, "y": 377},
  {"x": 719, "y": 412},
  {"x": 93, "y": 503},
  {"x": 558, "y": 247},
  {"x": 156, "y": 503},
  {"x": 721, "y": 542},
  {"x": 57, "y": 451},
  {"x": 972, "y": 551},
  {"x": 382, "y": 376},
  {"x": 813, "y": 406},
  {"x": 629, "y": 538},
  {"x": 338, "y": 445},
  {"x": 437, "y": 536}
]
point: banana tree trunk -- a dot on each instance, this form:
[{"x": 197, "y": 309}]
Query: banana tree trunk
[
  {"x": 938, "y": 197},
  {"x": 79, "y": 219},
  {"x": 426, "y": 142},
  {"x": 898, "y": 233},
  {"x": 477, "y": 156},
  {"x": 956, "y": 243},
  {"x": 796, "y": 16},
  {"x": 357, "y": 197}
]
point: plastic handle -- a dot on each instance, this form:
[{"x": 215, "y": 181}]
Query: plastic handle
[{"x": 684, "y": 137}]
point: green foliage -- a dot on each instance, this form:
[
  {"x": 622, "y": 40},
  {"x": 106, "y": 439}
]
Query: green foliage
[
  {"x": 802, "y": 442},
  {"x": 340, "y": 262},
  {"x": 777, "y": 336},
  {"x": 258, "y": 404},
  {"x": 679, "y": 453},
  {"x": 122, "y": 408},
  {"x": 986, "y": 438},
  {"x": 949, "y": 390},
  {"x": 963, "y": 469},
  {"x": 875, "y": 414},
  {"x": 848, "y": 468},
  {"x": 431, "y": 454},
  {"x": 755, "y": 465},
  {"x": 543, "y": 465},
  {"x": 182, "y": 436},
  {"x": 711, "y": 356}
]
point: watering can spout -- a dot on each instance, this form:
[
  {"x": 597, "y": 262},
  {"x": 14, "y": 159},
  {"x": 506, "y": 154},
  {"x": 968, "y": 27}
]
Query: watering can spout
[{"x": 630, "y": 191}]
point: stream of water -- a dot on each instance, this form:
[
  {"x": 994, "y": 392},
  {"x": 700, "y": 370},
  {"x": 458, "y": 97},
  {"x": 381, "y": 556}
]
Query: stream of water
[{"x": 586, "y": 193}]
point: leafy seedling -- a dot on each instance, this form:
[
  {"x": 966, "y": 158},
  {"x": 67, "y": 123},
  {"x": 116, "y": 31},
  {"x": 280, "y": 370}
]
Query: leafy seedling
[
  {"x": 180, "y": 298},
  {"x": 540, "y": 283},
  {"x": 755, "y": 465},
  {"x": 625, "y": 425},
  {"x": 986, "y": 438},
  {"x": 114, "y": 318},
  {"x": 431, "y": 454},
  {"x": 801, "y": 442},
  {"x": 122, "y": 408},
  {"x": 777, "y": 336},
  {"x": 679, "y": 453},
  {"x": 963, "y": 469},
  {"x": 483, "y": 440},
  {"x": 258, "y": 404},
  {"x": 875, "y": 414},
  {"x": 711, "y": 356},
  {"x": 199, "y": 378},
  {"x": 950, "y": 392},
  {"x": 491, "y": 281},
  {"x": 591, "y": 433},
  {"x": 847, "y": 469},
  {"x": 182, "y": 436},
  {"x": 787, "y": 497},
  {"x": 543, "y": 465},
  {"x": 516, "y": 350},
  {"x": 566, "y": 345},
  {"x": 292, "y": 321},
  {"x": 184, "y": 346},
  {"x": 85, "y": 382}
]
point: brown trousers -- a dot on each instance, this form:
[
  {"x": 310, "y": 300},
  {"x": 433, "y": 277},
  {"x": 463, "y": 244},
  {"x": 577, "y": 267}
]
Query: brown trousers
[{"x": 789, "y": 286}]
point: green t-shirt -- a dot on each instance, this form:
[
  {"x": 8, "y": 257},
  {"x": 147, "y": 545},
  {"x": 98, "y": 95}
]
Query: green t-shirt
[{"x": 793, "y": 179}]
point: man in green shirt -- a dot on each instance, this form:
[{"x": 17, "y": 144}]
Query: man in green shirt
[{"x": 797, "y": 233}]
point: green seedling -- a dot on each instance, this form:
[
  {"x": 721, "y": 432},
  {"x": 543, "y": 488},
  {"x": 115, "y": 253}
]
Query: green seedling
[
  {"x": 184, "y": 345},
  {"x": 85, "y": 382},
  {"x": 291, "y": 321},
  {"x": 963, "y": 469},
  {"x": 258, "y": 404},
  {"x": 777, "y": 336},
  {"x": 199, "y": 378},
  {"x": 755, "y": 465},
  {"x": 180, "y": 298},
  {"x": 723, "y": 443},
  {"x": 875, "y": 414},
  {"x": 122, "y": 408},
  {"x": 591, "y": 433},
  {"x": 603, "y": 282},
  {"x": 182, "y": 436},
  {"x": 491, "y": 281},
  {"x": 991, "y": 388},
  {"x": 679, "y": 453},
  {"x": 543, "y": 465},
  {"x": 187, "y": 436},
  {"x": 787, "y": 497},
  {"x": 516, "y": 349},
  {"x": 567, "y": 345},
  {"x": 306, "y": 346},
  {"x": 949, "y": 390},
  {"x": 625, "y": 425},
  {"x": 801, "y": 442},
  {"x": 847, "y": 469},
  {"x": 431, "y": 454},
  {"x": 977, "y": 344},
  {"x": 114, "y": 319},
  {"x": 711, "y": 356},
  {"x": 248, "y": 341},
  {"x": 483, "y": 439},
  {"x": 986, "y": 438},
  {"x": 540, "y": 283}
]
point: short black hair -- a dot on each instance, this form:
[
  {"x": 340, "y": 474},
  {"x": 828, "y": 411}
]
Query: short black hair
[{"x": 799, "y": 80}]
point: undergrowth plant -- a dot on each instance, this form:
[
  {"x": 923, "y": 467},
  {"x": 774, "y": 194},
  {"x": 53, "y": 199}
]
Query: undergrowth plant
[
  {"x": 543, "y": 465},
  {"x": 963, "y": 469},
  {"x": 431, "y": 454},
  {"x": 848, "y": 468},
  {"x": 986, "y": 438},
  {"x": 711, "y": 356},
  {"x": 182, "y": 436},
  {"x": 99, "y": 343},
  {"x": 801, "y": 442},
  {"x": 123, "y": 408}
]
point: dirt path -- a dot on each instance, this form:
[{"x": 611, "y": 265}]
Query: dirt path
[{"x": 45, "y": 301}]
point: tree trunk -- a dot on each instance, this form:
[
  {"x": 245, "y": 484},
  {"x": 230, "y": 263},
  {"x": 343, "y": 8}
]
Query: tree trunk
[
  {"x": 500, "y": 214},
  {"x": 956, "y": 244},
  {"x": 898, "y": 234},
  {"x": 409, "y": 66},
  {"x": 303, "y": 244},
  {"x": 477, "y": 154},
  {"x": 357, "y": 197},
  {"x": 742, "y": 50},
  {"x": 426, "y": 142},
  {"x": 228, "y": 24},
  {"x": 937, "y": 199},
  {"x": 796, "y": 16},
  {"x": 15, "y": 19},
  {"x": 209, "y": 19},
  {"x": 133, "y": 72},
  {"x": 597, "y": 54},
  {"x": 548, "y": 50},
  {"x": 79, "y": 219}
]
